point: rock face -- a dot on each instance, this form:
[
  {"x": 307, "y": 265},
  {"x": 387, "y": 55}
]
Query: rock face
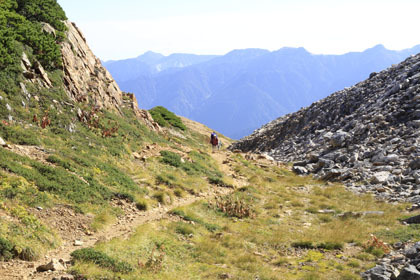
[
  {"x": 84, "y": 75},
  {"x": 86, "y": 79},
  {"x": 367, "y": 136}
]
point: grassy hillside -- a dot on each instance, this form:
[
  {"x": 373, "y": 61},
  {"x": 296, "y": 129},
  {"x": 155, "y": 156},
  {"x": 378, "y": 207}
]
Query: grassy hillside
[
  {"x": 149, "y": 205},
  {"x": 276, "y": 226},
  {"x": 267, "y": 223}
]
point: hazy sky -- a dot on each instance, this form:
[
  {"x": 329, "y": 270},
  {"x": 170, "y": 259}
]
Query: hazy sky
[{"x": 128, "y": 28}]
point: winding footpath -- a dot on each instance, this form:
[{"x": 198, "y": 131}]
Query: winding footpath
[{"x": 122, "y": 228}]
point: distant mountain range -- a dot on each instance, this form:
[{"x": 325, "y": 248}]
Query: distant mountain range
[{"x": 238, "y": 92}]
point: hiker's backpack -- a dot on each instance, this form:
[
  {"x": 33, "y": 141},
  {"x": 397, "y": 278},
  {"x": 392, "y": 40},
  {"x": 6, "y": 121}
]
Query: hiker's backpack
[{"x": 214, "y": 141}]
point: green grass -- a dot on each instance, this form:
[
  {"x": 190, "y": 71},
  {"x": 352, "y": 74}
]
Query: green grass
[
  {"x": 165, "y": 118},
  {"x": 171, "y": 158},
  {"x": 19, "y": 135},
  {"x": 101, "y": 259},
  {"x": 54, "y": 180},
  {"x": 401, "y": 234},
  {"x": 207, "y": 242}
]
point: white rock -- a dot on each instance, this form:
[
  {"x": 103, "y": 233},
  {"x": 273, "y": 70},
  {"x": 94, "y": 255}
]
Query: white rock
[
  {"x": 2, "y": 142},
  {"x": 78, "y": 243},
  {"x": 53, "y": 265},
  {"x": 380, "y": 177}
]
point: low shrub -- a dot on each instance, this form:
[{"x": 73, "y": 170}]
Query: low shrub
[
  {"x": 27, "y": 254},
  {"x": 165, "y": 118},
  {"x": 376, "y": 246},
  {"x": 303, "y": 245},
  {"x": 330, "y": 246},
  {"x": 324, "y": 245},
  {"x": 7, "y": 250},
  {"x": 101, "y": 259},
  {"x": 19, "y": 135},
  {"x": 142, "y": 205},
  {"x": 171, "y": 158},
  {"x": 55, "y": 180},
  {"x": 58, "y": 161},
  {"x": 233, "y": 207}
]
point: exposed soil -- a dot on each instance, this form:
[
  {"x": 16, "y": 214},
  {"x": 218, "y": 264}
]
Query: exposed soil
[{"x": 33, "y": 152}]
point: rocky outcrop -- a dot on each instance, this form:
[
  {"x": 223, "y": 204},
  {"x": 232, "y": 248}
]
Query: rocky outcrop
[
  {"x": 403, "y": 264},
  {"x": 367, "y": 136},
  {"x": 130, "y": 100},
  {"x": 85, "y": 78},
  {"x": 34, "y": 73}
]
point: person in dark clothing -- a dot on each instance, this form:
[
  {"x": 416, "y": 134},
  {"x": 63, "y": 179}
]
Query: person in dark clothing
[{"x": 214, "y": 141}]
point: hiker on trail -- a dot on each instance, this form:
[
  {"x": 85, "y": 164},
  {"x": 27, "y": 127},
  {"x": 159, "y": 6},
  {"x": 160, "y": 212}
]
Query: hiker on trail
[{"x": 214, "y": 141}]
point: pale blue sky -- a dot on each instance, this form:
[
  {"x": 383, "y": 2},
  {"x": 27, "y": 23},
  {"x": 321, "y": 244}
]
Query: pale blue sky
[{"x": 125, "y": 28}]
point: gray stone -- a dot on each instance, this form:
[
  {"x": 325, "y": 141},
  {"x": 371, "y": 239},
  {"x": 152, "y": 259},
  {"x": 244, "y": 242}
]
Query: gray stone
[
  {"x": 392, "y": 158},
  {"x": 409, "y": 272},
  {"x": 300, "y": 170},
  {"x": 380, "y": 177},
  {"x": 373, "y": 213},
  {"x": 312, "y": 158},
  {"x": 53, "y": 265},
  {"x": 332, "y": 174},
  {"x": 413, "y": 220},
  {"x": 78, "y": 243},
  {"x": 326, "y": 211},
  {"x": 415, "y": 164},
  {"x": 411, "y": 253},
  {"x": 25, "y": 60},
  {"x": 339, "y": 139},
  {"x": 24, "y": 90},
  {"x": 48, "y": 28},
  {"x": 379, "y": 272}
]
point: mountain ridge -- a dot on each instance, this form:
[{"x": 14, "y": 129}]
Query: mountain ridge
[{"x": 290, "y": 78}]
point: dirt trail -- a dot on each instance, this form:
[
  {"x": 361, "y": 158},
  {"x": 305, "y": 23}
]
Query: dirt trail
[{"x": 123, "y": 228}]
